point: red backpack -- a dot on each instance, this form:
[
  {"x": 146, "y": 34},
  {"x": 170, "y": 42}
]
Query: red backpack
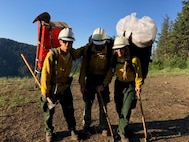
[{"x": 48, "y": 32}]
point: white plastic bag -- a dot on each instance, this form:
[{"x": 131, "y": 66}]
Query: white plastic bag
[{"x": 143, "y": 30}]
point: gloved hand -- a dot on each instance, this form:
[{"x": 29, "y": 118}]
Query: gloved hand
[{"x": 100, "y": 88}]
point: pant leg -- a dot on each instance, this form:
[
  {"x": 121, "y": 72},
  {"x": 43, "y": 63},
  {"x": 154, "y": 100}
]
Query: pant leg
[
  {"x": 66, "y": 101},
  {"x": 92, "y": 82},
  {"x": 106, "y": 99},
  {"x": 88, "y": 98},
  {"x": 48, "y": 115},
  {"x": 128, "y": 98},
  {"x": 118, "y": 96}
]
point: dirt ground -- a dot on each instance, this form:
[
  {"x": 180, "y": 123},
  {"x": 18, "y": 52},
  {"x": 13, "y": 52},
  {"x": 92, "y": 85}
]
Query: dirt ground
[{"x": 165, "y": 103}]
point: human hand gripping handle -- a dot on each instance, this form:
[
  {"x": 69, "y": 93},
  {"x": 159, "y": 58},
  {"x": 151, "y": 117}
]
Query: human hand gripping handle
[
  {"x": 46, "y": 96},
  {"x": 138, "y": 92},
  {"x": 100, "y": 88}
]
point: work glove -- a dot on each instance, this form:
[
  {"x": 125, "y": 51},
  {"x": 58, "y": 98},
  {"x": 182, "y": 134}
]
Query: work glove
[{"x": 100, "y": 88}]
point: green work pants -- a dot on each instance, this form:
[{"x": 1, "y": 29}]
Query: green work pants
[
  {"x": 89, "y": 96},
  {"x": 124, "y": 96},
  {"x": 88, "y": 99},
  {"x": 66, "y": 101}
]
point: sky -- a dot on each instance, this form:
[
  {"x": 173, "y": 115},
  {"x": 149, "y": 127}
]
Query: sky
[{"x": 84, "y": 16}]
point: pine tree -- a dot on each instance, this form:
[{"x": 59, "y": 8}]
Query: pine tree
[
  {"x": 173, "y": 43},
  {"x": 180, "y": 37},
  {"x": 162, "y": 49}
]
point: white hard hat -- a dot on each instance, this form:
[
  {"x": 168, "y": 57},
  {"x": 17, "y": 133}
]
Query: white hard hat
[
  {"x": 99, "y": 36},
  {"x": 120, "y": 42},
  {"x": 66, "y": 34}
]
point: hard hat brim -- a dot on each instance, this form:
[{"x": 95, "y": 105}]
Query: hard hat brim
[
  {"x": 99, "y": 42},
  {"x": 67, "y": 39},
  {"x": 118, "y": 46}
]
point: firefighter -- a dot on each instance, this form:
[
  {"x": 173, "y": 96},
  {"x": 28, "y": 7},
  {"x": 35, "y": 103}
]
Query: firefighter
[
  {"x": 95, "y": 76},
  {"x": 127, "y": 84},
  {"x": 55, "y": 83}
]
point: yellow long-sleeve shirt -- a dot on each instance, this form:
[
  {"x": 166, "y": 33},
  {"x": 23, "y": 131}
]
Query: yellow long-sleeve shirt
[
  {"x": 96, "y": 65},
  {"x": 52, "y": 73},
  {"x": 131, "y": 76}
]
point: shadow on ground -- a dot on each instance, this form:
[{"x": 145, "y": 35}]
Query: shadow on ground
[{"x": 158, "y": 130}]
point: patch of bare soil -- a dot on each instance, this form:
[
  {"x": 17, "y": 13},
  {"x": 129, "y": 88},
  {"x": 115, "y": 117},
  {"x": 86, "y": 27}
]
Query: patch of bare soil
[{"x": 165, "y": 103}]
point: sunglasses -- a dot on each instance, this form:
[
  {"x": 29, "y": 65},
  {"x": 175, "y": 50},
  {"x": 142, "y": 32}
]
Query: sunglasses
[
  {"x": 69, "y": 42},
  {"x": 121, "y": 49}
]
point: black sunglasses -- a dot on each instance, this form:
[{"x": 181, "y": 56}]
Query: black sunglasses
[{"x": 69, "y": 42}]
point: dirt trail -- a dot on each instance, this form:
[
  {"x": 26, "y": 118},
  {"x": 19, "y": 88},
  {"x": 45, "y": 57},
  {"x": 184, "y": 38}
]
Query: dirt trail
[{"x": 165, "y": 102}]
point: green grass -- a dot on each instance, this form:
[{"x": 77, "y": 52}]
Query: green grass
[
  {"x": 168, "y": 72},
  {"x": 15, "y": 92}
]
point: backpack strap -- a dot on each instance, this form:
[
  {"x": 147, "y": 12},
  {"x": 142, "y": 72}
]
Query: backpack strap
[
  {"x": 55, "y": 57},
  {"x": 115, "y": 61}
]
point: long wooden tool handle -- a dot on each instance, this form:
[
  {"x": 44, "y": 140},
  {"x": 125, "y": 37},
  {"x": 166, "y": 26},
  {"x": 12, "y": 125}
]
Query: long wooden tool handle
[
  {"x": 30, "y": 69},
  {"x": 143, "y": 119},
  {"x": 107, "y": 118}
]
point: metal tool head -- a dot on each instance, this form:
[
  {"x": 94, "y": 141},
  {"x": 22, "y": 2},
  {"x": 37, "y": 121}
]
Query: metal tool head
[{"x": 51, "y": 105}]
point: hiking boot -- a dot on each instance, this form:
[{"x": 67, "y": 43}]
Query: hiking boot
[
  {"x": 124, "y": 139},
  {"x": 74, "y": 136},
  {"x": 105, "y": 133},
  {"x": 86, "y": 129},
  {"x": 49, "y": 137},
  {"x": 117, "y": 137}
]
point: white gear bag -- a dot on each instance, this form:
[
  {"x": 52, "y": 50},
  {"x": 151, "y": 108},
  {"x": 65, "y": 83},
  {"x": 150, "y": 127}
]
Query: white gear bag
[{"x": 142, "y": 31}]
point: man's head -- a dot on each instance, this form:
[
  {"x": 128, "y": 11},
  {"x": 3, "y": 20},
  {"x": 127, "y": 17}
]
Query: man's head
[
  {"x": 66, "y": 38},
  {"x": 121, "y": 45},
  {"x": 99, "y": 36}
]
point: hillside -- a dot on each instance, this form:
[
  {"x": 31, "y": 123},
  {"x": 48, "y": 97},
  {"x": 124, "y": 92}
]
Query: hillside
[{"x": 11, "y": 63}]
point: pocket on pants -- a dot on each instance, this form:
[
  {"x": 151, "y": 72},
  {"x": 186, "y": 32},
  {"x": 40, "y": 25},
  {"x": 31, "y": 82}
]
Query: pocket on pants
[{"x": 44, "y": 104}]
